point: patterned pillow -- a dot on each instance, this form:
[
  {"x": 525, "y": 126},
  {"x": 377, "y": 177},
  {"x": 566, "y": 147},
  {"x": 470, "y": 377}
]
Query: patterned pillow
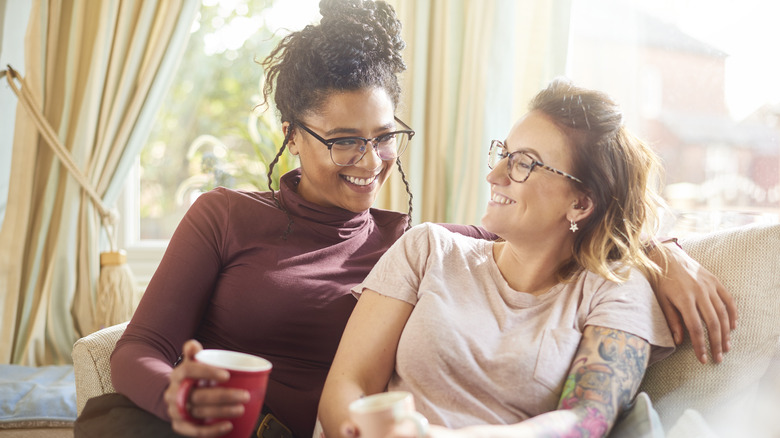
[{"x": 747, "y": 261}]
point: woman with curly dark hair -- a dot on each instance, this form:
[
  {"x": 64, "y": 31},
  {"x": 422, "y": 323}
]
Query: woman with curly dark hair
[{"x": 269, "y": 273}]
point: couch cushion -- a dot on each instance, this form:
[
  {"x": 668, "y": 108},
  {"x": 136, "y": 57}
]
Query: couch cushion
[
  {"x": 37, "y": 396},
  {"x": 747, "y": 262}
]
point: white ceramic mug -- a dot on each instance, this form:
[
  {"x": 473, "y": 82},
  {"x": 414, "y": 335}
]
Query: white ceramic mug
[{"x": 376, "y": 415}]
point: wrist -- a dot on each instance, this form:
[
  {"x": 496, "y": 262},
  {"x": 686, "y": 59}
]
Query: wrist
[{"x": 673, "y": 240}]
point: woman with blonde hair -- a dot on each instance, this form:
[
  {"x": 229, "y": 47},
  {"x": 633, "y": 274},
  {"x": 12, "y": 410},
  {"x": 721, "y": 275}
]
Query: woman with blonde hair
[{"x": 546, "y": 331}]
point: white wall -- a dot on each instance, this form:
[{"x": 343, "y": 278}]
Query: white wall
[{"x": 13, "y": 24}]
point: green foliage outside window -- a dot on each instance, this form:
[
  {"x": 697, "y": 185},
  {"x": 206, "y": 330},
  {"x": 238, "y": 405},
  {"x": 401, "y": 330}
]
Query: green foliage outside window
[{"x": 210, "y": 130}]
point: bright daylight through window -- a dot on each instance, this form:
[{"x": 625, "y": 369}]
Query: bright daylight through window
[
  {"x": 697, "y": 78},
  {"x": 210, "y": 130}
]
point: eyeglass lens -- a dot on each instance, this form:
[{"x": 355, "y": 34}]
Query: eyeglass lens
[
  {"x": 348, "y": 151},
  {"x": 519, "y": 164}
]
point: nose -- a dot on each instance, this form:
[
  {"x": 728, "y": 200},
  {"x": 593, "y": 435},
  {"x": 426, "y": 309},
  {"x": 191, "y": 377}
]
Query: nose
[
  {"x": 498, "y": 175},
  {"x": 371, "y": 158}
]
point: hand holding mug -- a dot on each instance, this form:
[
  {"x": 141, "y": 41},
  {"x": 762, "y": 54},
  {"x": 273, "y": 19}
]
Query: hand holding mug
[
  {"x": 377, "y": 415},
  {"x": 213, "y": 392}
]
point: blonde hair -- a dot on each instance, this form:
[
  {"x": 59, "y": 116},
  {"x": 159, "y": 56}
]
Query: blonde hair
[{"x": 619, "y": 172}]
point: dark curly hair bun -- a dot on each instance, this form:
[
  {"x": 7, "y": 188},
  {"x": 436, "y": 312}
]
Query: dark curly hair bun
[
  {"x": 357, "y": 44},
  {"x": 365, "y": 30}
]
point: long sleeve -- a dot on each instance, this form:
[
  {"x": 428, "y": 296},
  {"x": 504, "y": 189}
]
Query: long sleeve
[{"x": 232, "y": 279}]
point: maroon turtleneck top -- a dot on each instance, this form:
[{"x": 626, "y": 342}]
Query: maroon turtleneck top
[{"x": 229, "y": 280}]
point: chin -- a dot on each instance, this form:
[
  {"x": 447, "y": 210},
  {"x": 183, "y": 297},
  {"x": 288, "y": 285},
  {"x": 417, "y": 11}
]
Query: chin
[
  {"x": 487, "y": 225},
  {"x": 359, "y": 207}
]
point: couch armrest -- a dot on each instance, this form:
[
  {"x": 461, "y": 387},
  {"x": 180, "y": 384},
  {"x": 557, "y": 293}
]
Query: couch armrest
[
  {"x": 746, "y": 259},
  {"x": 92, "y": 363}
]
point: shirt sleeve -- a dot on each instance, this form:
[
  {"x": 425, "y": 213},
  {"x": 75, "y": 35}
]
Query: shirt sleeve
[
  {"x": 400, "y": 270},
  {"x": 631, "y": 307},
  {"x": 172, "y": 305},
  {"x": 470, "y": 231}
]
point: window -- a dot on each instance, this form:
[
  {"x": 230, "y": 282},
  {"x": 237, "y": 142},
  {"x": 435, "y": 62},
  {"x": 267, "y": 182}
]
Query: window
[
  {"x": 209, "y": 131},
  {"x": 695, "y": 78},
  {"x": 699, "y": 81}
]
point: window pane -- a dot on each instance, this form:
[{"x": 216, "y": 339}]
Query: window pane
[
  {"x": 698, "y": 80},
  {"x": 206, "y": 133}
]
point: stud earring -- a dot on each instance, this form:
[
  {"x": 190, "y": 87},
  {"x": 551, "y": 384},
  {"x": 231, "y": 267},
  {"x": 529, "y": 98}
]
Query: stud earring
[{"x": 574, "y": 227}]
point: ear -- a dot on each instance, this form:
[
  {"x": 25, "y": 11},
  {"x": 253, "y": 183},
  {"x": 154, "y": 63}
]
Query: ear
[
  {"x": 580, "y": 208},
  {"x": 291, "y": 145}
]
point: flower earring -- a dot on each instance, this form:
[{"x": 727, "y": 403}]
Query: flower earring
[{"x": 574, "y": 227}]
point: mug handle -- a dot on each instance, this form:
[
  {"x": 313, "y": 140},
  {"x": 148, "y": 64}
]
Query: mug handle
[
  {"x": 182, "y": 399},
  {"x": 419, "y": 420}
]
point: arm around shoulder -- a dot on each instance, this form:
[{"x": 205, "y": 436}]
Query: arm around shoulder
[{"x": 692, "y": 296}]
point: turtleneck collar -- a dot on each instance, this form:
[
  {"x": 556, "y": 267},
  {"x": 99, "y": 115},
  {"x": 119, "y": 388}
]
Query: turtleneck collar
[{"x": 332, "y": 222}]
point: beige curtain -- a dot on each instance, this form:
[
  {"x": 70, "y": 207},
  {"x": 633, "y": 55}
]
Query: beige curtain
[
  {"x": 97, "y": 70},
  {"x": 472, "y": 67}
]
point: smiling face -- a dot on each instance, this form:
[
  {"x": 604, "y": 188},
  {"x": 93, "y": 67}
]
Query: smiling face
[
  {"x": 363, "y": 113},
  {"x": 541, "y": 206}
]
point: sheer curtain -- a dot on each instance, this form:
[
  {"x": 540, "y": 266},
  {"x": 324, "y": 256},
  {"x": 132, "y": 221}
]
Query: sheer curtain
[
  {"x": 97, "y": 71},
  {"x": 472, "y": 67}
]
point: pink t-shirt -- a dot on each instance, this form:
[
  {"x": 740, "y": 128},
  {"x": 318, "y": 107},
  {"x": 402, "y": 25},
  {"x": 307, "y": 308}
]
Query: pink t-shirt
[{"x": 475, "y": 351}]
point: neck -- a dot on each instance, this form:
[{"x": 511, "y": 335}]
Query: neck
[{"x": 530, "y": 269}]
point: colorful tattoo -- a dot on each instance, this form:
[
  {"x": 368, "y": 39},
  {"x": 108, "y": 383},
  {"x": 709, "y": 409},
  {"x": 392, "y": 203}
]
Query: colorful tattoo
[{"x": 606, "y": 374}]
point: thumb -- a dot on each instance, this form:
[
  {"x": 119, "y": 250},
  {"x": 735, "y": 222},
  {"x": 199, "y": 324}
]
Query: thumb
[
  {"x": 191, "y": 348},
  {"x": 349, "y": 430}
]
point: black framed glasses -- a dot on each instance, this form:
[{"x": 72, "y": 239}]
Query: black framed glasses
[
  {"x": 348, "y": 151},
  {"x": 519, "y": 164}
]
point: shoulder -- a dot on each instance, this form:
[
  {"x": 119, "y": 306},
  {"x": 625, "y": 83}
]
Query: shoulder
[
  {"x": 470, "y": 230},
  {"x": 235, "y": 200},
  {"x": 389, "y": 218},
  {"x": 429, "y": 231},
  {"x": 239, "y": 208},
  {"x": 629, "y": 306},
  {"x": 596, "y": 283},
  {"x": 428, "y": 237},
  {"x": 223, "y": 195},
  {"x": 597, "y": 292}
]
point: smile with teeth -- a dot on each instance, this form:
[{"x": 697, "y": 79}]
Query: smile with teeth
[
  {"x": 359, "y": 181},
  {"x": 500, "y": 199}
]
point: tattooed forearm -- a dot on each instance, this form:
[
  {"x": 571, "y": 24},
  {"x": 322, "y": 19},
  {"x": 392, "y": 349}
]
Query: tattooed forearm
[{"x": 604, "y": 377}]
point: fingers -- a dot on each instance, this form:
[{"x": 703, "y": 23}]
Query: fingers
[
  {"x": 700, "y": 299},
  {"x": 218, "y": 402},
  {"x": 348, "y": 429},
  {"x": 673, "y": 319},
  {"x": 720, "y": 315},
  {"x": 727, "y": 321},
  {"x": 716, "y": 337},
  {"x": 207, "y": 403},
  {"x": 212, "y": 430},
  {"x": 693, "y": 323},
  {"x": 729, "y": 303}
]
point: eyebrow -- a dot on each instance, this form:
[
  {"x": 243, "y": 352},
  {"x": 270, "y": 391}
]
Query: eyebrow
[
  {"x": 532, "y": 151},
  {"x": 355, "y": 132}
]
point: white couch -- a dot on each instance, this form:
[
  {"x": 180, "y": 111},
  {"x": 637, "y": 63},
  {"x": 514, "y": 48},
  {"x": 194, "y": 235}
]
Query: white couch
[{"x": 737, "y": 398}]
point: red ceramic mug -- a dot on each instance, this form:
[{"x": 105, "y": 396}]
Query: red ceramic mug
[{"x": 246, "y": 372}]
